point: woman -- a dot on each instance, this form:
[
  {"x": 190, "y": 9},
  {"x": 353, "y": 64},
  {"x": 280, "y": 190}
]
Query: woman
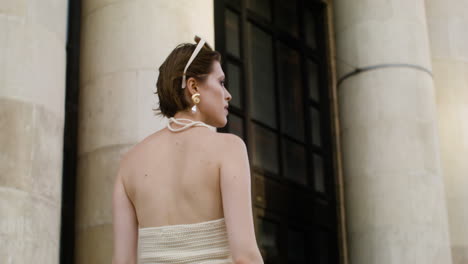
[{"x": 182, "y": 195}]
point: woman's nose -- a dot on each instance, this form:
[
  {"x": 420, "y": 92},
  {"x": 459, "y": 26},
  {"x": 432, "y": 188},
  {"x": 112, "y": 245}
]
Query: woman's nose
[{"x": 228, "y": 96}]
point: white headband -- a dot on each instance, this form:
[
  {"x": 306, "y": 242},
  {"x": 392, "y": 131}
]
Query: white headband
[{"x": 194, "y": 54}]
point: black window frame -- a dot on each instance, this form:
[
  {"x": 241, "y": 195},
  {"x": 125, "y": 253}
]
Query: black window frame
[{"x": 319, "y": 221}]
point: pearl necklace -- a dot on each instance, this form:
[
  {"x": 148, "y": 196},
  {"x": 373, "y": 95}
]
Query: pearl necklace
[{"x": 189, "y": 124}]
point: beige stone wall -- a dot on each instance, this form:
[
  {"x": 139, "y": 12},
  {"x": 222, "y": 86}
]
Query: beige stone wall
[
  {"x": 448, "y": 31},
  {"x": 123, "y": 44},
  {"x": 394, "y": 189},
  {"x": 32, "y": 88}
]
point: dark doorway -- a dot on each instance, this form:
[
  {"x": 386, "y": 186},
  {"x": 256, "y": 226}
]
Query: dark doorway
[{"x": 67, "y": 228}]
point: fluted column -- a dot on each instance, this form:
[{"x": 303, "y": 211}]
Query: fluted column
[
  {"x": 123, "y": 44},
  {"x": 448, "y": 23},
  {"x": 394, "y": 190},
  {"x": 32, "y": 95}
]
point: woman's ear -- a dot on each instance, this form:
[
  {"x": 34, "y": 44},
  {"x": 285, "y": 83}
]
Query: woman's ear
[{"x": 192, "y": 86}]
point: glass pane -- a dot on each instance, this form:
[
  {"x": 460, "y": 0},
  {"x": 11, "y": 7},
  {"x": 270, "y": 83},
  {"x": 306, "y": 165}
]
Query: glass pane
[
  {"x": 265, "y": 153},
  {"x": 323, "y": 247},
  {"x": 292, "y": 107},
  {"x": 313, "y": 80},
  {"x": 261, "y": 7},
  {"x": 267, "y": 239},
  {"x": 286, "y": 15},
  {"x": 234, "y": 2},
  {"x": 232, "y": 33},
  {"x": 315, "y": 116},
  {"x": 319, "y": 175},
  {"x": 234, "y": 84},
  {"x": 261, "y": 59},
  {"x": 296, "y": 247},
  {"x": 310, "y": 29},
  {"x": 236, "y": 125},
  {"x": 294, "y": 160}
]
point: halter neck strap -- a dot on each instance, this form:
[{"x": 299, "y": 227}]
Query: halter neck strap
[
  {"x": 194, "y": 54},
  {"x": 185, "y": 123}
]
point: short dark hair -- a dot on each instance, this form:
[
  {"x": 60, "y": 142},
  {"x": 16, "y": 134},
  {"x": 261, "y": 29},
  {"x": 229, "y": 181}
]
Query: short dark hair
[{"x": 171, "y": 95}]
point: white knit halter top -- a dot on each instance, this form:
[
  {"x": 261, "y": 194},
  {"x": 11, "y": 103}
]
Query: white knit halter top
[{"x": 198, "y": 243}]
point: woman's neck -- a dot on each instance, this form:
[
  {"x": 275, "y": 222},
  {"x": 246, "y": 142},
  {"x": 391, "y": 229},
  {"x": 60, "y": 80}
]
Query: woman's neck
[
  {"x": 183, "y": 121},
  {"x": 187, "y": 115}
]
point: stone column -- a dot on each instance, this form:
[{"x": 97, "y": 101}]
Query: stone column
[
  {"x": 394, "y": 190},
  {"x": 123, "y": 44},
  {"x": 32, "y": 96},
  {"x": 448, "y": 23}
]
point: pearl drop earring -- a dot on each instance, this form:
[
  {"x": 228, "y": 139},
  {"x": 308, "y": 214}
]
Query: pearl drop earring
[{"x": 196, "y": 100}]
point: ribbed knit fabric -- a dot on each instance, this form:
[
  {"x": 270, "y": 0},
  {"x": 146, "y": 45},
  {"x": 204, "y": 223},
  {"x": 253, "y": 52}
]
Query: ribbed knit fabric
[{"x": 199, "y": 243}]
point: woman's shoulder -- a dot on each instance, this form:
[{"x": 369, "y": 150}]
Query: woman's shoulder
[
  {"x": 229, "y": 139},
  {"x": 134, "y": 151},
  {"x": 230, "y": 143}
]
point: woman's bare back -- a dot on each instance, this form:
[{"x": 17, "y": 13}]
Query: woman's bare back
[
  {"x": 192, "y": 176},
  {"x": 174, "y": 178}
]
